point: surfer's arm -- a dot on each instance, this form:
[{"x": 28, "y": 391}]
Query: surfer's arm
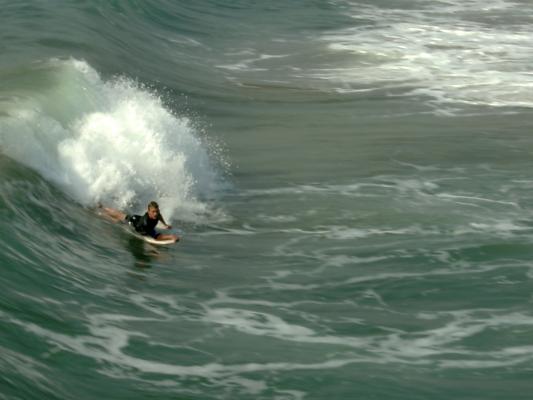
[
  {"x": 163, "y": 222},
  {"x": 115, "y": 215}
]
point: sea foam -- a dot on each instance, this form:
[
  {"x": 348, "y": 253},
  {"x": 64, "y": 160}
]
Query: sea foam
[{"x": 459, "y": 52}]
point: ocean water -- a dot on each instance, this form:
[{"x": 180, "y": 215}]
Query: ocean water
[{"x": 352, "y": 180}]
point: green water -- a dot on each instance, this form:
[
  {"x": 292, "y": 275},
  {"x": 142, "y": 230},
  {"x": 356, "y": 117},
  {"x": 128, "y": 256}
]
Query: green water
[{"x": 355, "y": 225}]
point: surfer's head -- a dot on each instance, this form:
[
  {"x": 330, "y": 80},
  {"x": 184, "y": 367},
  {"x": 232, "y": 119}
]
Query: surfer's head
[{"x": 153, "y": 210}]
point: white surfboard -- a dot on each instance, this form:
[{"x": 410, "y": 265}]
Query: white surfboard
[{"x": 151, "y": 240}]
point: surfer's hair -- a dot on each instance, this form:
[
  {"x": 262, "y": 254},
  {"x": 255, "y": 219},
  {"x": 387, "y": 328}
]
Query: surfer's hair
[{"x": 153, "y": 204}]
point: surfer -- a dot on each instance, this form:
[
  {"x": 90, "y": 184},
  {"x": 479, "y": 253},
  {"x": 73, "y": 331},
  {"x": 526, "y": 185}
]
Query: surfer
[{"x": 143, "y": 224}]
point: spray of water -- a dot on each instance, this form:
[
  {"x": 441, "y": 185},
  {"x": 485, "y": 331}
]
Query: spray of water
[{"x": 106, "y": 141}]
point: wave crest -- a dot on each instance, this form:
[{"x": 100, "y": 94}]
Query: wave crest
[{"x": 107, "y": 141}]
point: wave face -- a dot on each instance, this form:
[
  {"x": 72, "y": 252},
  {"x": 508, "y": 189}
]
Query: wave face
[{"x": 111, "y": 141}]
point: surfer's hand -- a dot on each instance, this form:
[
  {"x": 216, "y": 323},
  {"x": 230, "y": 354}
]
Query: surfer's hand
[{"x": 168, "y": 226}]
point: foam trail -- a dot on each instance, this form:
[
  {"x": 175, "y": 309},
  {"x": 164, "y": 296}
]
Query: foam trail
[{"x": 109, "y": 141}]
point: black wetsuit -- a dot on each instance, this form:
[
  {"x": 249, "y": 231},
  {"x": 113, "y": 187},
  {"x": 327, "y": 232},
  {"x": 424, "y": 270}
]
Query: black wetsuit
[{"x": 143, "y": 224}]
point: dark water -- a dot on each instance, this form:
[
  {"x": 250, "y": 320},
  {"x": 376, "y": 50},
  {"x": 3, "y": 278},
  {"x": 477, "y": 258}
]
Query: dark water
[{"x": 351, "y": 179}]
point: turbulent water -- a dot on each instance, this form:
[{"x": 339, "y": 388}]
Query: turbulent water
[{"x": 351, "y": 178}]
